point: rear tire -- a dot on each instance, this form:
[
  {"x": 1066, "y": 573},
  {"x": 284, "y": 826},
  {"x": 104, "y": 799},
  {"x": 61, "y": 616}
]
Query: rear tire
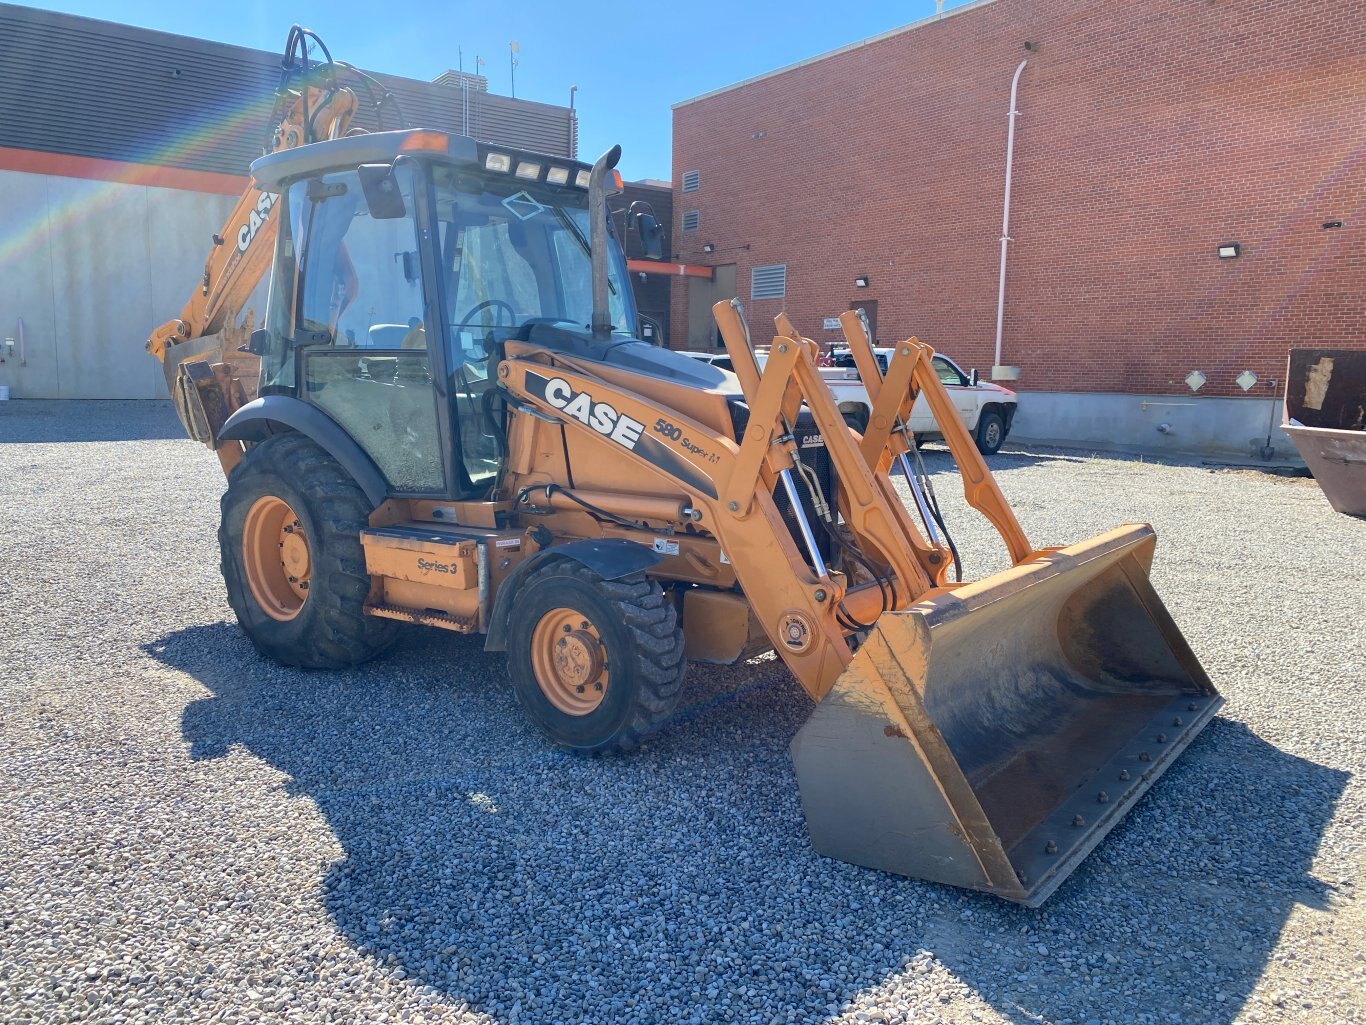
[
  {"x": 304, "y": 606},
  {"x": 991, "y": 433},
  {"x": 596, "y": 664}
]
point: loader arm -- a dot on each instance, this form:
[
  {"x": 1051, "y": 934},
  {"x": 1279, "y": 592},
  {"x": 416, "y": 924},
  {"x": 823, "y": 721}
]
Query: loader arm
[{"x": 812, "y": 613}]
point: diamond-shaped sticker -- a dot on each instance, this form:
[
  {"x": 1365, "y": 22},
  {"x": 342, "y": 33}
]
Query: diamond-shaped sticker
[
  {"x": 1195, "y": 380},
  {"x": 523, "y": 206},
  {"x": 1246, "y": 379}
]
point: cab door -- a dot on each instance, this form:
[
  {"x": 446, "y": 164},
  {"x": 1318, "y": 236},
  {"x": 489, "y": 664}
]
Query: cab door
[{"x": 359, "y": 332}]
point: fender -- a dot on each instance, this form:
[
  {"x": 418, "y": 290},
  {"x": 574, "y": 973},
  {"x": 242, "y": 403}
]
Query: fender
[
  {"x": 610, "y": 558},
  {"x": 261, "y": 418}
]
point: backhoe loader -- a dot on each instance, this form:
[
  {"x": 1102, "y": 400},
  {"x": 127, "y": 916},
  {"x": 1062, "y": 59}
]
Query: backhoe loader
[{"x": 446, "y": 419}]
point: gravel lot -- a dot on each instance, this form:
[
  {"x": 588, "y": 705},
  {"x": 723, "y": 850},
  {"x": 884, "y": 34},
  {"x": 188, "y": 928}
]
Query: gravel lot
[{"x": 190, "y": 834}]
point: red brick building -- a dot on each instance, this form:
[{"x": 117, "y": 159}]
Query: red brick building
[{"x": 1148, "y": 136}]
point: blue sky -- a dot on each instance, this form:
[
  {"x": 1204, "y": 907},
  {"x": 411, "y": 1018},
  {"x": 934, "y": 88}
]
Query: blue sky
[{"x": 629, "y": 67}]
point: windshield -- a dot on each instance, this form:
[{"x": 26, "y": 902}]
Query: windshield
[{"x": 514, "y": 252}]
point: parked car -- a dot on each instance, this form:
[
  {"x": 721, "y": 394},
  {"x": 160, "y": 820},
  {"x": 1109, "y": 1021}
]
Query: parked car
[{"x": 988, "y": 410}]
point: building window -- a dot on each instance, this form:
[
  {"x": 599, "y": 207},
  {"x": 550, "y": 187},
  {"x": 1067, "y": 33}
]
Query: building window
[
  {"x": 692, "y": 181},
  {"x": 691, "y": 220},
  {"x": 768, "y": 282}
]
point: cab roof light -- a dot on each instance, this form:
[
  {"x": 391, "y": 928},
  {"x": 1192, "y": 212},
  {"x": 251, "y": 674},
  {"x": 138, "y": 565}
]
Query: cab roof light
[
  {"x": 528, "y": 169},
  {"x": 498, "y": 162},
  {"x": 426, "y": 142},
  {"x": 581, "y": 179},
  {"x": 557, "y": 176}
]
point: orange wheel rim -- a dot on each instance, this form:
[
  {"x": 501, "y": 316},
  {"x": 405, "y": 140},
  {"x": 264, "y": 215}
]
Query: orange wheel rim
[
  {"x": 570, "y": 661},
  {"x": 276, "y": 557}
]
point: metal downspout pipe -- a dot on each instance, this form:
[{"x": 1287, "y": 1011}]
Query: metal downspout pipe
[{"x": 999, "y": 372}]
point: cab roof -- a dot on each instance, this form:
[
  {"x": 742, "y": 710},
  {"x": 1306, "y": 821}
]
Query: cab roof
[{"x": 271, "y": 171}]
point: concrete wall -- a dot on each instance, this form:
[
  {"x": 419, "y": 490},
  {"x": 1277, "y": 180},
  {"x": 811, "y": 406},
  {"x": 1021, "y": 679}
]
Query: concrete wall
[
  {"x": 92, "y": 267},
  {"x": 1221, "y": 429}
]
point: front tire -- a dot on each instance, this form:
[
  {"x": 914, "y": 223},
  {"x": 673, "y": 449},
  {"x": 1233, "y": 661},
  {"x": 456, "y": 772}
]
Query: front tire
[
  {"x": 991, "y": 433},
  {"x": 292, "y": 558},
  {"x": 596, "y": 664}
]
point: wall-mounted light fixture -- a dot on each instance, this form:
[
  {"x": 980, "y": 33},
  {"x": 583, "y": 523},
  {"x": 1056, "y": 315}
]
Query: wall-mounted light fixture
[
  {"x": 861, "y": 281},
  {"x": 1195, "y": 380},
  {"x": 1246, "y": 380},
  {"x": 1229, "y": 251},
  {"x": 708, "y": 247}
]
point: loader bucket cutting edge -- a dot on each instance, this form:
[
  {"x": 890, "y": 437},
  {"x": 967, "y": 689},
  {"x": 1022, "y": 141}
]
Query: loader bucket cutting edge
[{"x": 989, "y": 737}]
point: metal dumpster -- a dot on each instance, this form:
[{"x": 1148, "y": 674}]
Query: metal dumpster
[{"x": 1325, "y": 412}]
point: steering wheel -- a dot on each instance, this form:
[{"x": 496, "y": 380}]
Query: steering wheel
[{"x": 485, "y": 305}]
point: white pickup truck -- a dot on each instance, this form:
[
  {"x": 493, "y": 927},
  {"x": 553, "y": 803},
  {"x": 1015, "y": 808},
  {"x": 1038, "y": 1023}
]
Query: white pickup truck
[{"x": 986, "y": 409}]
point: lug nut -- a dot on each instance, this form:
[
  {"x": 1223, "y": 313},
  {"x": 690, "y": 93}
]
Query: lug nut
[
  {"x": 1078, "y": 820},
  {"x": 597, "y": 687},
  {"x": 563, "y": 643},
  {"x": 583, "y": 624},
  {"x": 578, "y": 689},
  {"x": 1050, "y": 848},
  {"x": 567, "y": 628},
  {"x": 1123, "y": 774},
  {"x": 1102, "y": 798},
  {"x": 820, "y": 594}
]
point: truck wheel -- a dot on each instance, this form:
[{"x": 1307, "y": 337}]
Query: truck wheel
[
  {"x": 991, "y": 433},
  {"x": 292, "y": 558},
  {"x": 597, "y": 664}
]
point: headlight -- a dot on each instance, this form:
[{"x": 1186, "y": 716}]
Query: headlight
[
  {"x": 498, "y": 162},
  {"x": 581, "y": 180},
  {"x": 528, "y": 169},
  {"x": 557, "y": 175}
]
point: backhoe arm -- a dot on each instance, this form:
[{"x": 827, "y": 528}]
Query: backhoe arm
[{"x": 242, "y": 249}]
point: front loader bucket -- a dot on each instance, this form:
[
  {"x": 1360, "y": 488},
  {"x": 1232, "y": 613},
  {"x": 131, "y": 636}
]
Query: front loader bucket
[{"x": 991, "y": 736}]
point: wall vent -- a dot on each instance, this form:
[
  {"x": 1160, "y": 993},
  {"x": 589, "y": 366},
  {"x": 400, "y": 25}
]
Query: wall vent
[{"x": 768, "y": 282}]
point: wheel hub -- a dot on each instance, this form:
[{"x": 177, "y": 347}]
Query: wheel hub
[
  {"x": 276, "y": 557},
  {"x": 570, "y": 661}
]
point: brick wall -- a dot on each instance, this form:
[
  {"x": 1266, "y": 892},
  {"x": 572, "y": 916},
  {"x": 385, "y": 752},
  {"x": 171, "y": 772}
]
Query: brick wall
[{"x": 1149, "y": 134}]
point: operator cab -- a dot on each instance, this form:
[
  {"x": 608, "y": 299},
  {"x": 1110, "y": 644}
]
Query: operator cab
[{"x": 404, "y": 262}]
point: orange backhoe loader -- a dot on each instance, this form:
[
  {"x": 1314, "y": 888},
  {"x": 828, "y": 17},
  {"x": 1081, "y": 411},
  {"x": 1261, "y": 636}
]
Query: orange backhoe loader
[{"x": 453, "y": 424}]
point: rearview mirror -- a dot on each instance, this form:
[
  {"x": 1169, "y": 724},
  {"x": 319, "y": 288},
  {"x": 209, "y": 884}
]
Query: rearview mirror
[
  {"x": 651, "y": 330},
  {"x": 412, "y": 269},
  {"x": 651, "y": 236},
  {"x": 972, "y": 377},
  {"x": 382, "y": 194}
]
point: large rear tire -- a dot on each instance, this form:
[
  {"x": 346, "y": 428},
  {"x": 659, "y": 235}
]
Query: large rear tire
[
  {"x": 596, "y": 664},
  {"x": 292, "y": 558}
]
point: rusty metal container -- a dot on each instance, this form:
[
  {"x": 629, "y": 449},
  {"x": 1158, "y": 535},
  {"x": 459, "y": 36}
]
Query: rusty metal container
[{"x": 1325, "y": 412}]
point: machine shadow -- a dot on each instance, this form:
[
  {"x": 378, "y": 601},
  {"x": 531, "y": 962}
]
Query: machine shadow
[{"x": 494, "y": 869}]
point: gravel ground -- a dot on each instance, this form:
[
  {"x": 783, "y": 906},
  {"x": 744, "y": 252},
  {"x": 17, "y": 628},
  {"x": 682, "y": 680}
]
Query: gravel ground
[{"x": 190, "y": 834}]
